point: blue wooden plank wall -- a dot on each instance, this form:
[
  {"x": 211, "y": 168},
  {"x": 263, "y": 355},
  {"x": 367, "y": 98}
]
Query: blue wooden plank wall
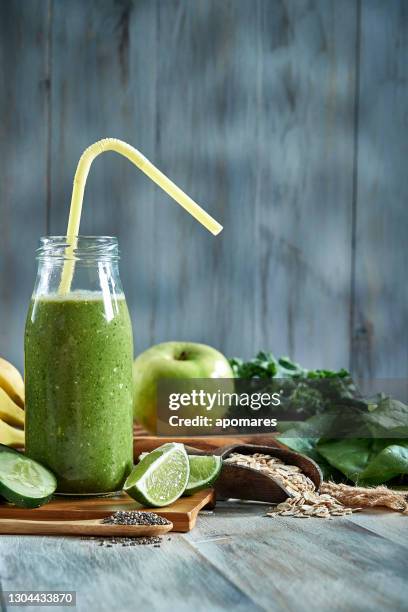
[{"x": 286, "y": 119}]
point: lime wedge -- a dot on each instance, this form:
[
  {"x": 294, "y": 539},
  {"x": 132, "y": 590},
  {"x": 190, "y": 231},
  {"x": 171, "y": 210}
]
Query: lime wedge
[
  {"x": 161, "y": 476},
  {"x": 23, "y": 481},
  {"x": 204, "y": 471}
]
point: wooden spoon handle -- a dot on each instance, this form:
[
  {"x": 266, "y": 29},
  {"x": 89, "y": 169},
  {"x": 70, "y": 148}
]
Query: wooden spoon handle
[{"x": 73, "y": 528}]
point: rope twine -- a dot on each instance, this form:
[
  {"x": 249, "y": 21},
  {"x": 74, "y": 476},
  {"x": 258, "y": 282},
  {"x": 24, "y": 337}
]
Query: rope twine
[{"x": 362, "y": 497}]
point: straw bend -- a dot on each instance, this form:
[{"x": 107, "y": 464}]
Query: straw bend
[{"x": 141, "y": 162}]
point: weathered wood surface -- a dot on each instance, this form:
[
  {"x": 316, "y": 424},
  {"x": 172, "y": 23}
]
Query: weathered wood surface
[
  {"x": 285, "y": 119},
  {"x": 24, "y": 98},
  {"x": 234, "y": 558},
  {"x": 380, "y": 331},
  {"x": 305, "y": 162}
]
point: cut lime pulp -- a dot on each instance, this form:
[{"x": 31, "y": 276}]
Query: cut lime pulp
[
  {"x": 161, "y": 476},
  {"x": 23, "y": 481},
  {"x": 204, "y": 471}
]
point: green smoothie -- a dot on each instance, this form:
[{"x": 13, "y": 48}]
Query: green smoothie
[{"x": 78, "y": 374}]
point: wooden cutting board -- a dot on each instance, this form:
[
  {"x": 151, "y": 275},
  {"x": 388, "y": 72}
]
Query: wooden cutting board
[
  {"x": 183, "y": 513},
  {"x": 143, "y": 442}
]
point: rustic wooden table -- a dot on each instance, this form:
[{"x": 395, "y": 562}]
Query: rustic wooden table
[{"x": 235, "y": 558}]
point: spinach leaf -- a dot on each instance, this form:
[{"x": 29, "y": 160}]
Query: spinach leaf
[
  {"x": 392, "y": 461},
  {"x": 367, "y": 462},
  {"x": 349, "y": 456},
  {"x": 386, "y": 417},
  {"x": 374, "y": 446},
  {"x": 307, "y": 446}
]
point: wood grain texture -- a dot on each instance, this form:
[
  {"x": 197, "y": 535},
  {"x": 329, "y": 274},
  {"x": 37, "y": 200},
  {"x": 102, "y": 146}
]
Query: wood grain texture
[
  {"x": 389, "y": 525},
  {"x": 24, "y": 98},
  {"x": 380, "y": 333},
  {"x": 182, "y": 513},
  {"x": 173, "y": 577},
  {"x": 207, "y": 65},
  {"x": 303, "y": 564},
  {"x": 284, "y": 118},
  {"x": 236, "y": 557},
  {"x": 79, "y": 528},
  {"x": 305, "y": 159}
]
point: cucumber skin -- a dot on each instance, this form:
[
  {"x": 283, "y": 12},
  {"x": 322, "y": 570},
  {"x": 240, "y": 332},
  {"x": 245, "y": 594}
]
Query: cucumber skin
[
  {"x": 22, "y": 502},
  {"x": 8, "y": 449},
  {"x": 13, "y": 497}
]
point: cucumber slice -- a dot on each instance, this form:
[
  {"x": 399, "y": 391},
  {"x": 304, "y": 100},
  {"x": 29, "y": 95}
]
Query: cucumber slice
[{"x": 23, "y": 481}]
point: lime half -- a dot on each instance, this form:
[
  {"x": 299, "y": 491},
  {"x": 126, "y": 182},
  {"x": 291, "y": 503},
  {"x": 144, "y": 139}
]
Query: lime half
[
  {"x": 204, "y": 471},
  {"x": 23, "y": 481},
  {"x": 161, "y": 476}
]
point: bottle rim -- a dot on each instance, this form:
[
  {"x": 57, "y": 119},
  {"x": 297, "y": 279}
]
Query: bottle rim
[{"x": 82, "y": 248}]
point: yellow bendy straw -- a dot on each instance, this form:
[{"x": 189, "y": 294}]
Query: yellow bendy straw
[{"x": 133, "y": 155}]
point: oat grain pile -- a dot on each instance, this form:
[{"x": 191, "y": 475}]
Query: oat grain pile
[{"x": 306, "y": 501}]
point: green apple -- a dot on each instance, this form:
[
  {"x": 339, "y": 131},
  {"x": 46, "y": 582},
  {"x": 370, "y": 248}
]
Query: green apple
[{"x": 180, "y": 360}]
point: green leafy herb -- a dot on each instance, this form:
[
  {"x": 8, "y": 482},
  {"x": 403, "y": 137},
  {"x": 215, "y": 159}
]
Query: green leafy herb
[
  {"x": 262, "y": 366},
  {"x": 323, "y": 398}
]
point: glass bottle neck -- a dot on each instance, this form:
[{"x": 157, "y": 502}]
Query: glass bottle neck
[{"x": 96, "y": 265}]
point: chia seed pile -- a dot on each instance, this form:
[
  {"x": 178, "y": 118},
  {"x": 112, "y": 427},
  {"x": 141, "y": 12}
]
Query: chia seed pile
[
  {"x": 133, "y": 517},
  {"x": 154, "y": 541}
]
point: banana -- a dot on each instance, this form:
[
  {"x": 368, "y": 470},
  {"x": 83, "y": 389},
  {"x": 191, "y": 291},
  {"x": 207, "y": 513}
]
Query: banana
[
  {"x": 11, "y": 405},
  {"x": 11, "y": 436},
  {"x": 9, "y": 411},
  {"x": 11, "y": 381}
]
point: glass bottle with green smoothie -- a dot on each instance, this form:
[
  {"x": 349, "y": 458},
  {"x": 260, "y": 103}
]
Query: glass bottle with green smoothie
[{"x": 78, "y": 368}]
